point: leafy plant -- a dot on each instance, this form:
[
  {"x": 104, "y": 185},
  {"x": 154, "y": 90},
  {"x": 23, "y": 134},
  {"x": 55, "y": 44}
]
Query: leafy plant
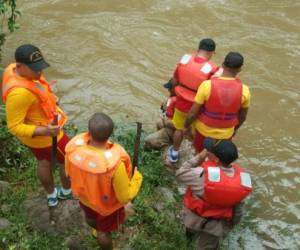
[
  {"x": 9, "y": 14},
  {"x": 13, "y": 153}
]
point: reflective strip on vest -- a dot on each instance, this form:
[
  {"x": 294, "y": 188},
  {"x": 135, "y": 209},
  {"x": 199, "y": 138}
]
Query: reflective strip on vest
[
  {"x": 39, "y": 86},
  {"x": 77, "y": 157},
  {"x": 92, "y": 164},
  {"x": 206, "y": 68},
  {"x": 185, "y": 59},
  {"x": 246, "y": 180},
  {"x": 219, "y": 116},
  {"x": 214, "y": 174},
  {"x": 79, "y": 142},
  {"x": 108, "y": 154}
]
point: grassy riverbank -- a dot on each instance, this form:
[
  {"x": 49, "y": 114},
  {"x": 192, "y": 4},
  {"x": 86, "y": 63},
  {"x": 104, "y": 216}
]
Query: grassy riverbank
[{"x": 156, "y": 225}]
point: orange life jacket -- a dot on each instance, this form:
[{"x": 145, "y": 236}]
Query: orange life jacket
[
  {"x": 40, "y": 88},
  {"x": 222, "y": 107},
  {"x": 91, "y": 171},
  {"x": 221, "y": 192},
  {"x": 191, "y": 72}
]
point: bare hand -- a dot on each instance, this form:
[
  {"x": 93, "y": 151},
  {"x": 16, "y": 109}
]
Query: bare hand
[
  {"x": 53, "y": 130},
  {"x": 203, "y": 154}
]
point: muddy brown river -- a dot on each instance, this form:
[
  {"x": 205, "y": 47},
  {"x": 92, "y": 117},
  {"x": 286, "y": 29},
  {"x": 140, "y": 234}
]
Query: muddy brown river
[{"x": 113, "y": 56}]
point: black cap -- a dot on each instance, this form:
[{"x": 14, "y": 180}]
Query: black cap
[
  {"x": 31, "y": 56},
  {"x": 168, "y": 85},
  {"x": 207, "y": 44},
  {"x": 233, "y": 60},
  {"x": 225, "y": 150}
]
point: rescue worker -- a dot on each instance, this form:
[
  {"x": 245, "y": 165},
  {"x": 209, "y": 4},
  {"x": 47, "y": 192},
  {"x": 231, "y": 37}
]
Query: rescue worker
[
  {"x": 30, "y": 108},
  {"x": 221, "y": 104},
  {"x": 190, "y": 72},
  {"x": 165, "y": 129},
  {"x": 100, "y": 173},
  {"x": 213, "y": 199}
]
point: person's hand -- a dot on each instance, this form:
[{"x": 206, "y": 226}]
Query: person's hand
[
  {"x": 52, "y": 130},
  {"x": 203, "y": 154}
]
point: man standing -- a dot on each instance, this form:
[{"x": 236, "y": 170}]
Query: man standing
[
  {"x": 190, "y": 72},
  {"x": 102, "y": 177},
  {"x": 221, "y": 104},
  {"x": 212, "y": 202},
  {"x": 30, "y": 110}
]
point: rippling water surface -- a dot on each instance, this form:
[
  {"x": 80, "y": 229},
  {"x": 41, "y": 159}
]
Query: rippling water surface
[{"x": 113, "y": 56}]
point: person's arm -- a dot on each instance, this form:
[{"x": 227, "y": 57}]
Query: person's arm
[
  {"x": 192, "y": 115},
  {"x": 242, "y": 118},
  {"x": 242, "y": 115},
  {"x": 190, "y": 171},
  {"x": 17, "y": 105},
  {"x": 202, "y": 94},
  {"x": 126, "y": 189}
]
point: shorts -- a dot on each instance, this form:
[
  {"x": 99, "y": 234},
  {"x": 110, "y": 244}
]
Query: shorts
[
  {"x": 199, "y": 139},
  {"x": 45, "y": 153},
  {"x": 198, "y": 142},
  {"x": 179, "y": 118},
  {"x": 105, "y": 223}
]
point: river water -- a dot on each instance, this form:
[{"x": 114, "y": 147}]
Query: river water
[{"x": 113, "y": 56}]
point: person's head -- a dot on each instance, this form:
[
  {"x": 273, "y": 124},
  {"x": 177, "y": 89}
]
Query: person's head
[
  {"x": 221, "y": 151},
  {"x": 233, "y": 63},
  {"x": 207, "y": 46},
  {"x": 30, "y": 61},
  {"x": 101, "y": 127}
]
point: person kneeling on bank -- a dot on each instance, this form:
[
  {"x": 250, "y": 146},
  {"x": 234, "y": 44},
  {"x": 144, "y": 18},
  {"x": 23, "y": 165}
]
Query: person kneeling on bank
[
  {"x": 216, "y": 189},
  {"x": 100, "y": 173},
  {"x": 163, "y": 136}
]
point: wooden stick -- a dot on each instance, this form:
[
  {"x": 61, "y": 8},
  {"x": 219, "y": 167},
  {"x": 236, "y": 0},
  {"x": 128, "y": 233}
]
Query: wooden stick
[
  {"x": 54, "y": 144},
  {"x": 137, "y": 146}
]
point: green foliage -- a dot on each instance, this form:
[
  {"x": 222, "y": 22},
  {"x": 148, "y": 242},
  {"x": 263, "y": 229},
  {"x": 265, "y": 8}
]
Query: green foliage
[
  {"x": 9, "y": 15},
  {"x": 151, "y": 228},
  {"x": 20, "y": 235},
  {"x": 13, "y": 153}
]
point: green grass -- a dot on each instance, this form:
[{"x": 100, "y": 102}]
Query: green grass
[{"x": 149, "y": 228}]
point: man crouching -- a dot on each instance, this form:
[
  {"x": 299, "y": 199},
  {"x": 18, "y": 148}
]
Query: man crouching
[{"x": 216, "y": 188}]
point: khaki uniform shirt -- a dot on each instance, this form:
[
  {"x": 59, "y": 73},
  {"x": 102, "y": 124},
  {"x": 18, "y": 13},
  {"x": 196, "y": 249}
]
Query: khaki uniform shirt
[{"x": 191, "y": 175}]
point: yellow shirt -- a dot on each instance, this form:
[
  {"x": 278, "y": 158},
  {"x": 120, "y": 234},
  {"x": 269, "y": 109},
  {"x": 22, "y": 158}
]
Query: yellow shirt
[
  {"x": 126, "y": 189},
  {"x": 202, "y": 96},
  {"x": 23, "y": 114}
]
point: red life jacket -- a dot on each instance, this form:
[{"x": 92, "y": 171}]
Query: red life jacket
[
  {"x": 222, "y": 107},
  {"x": 171, "y": 106},
  {"x": 191, "y": 72},
  {"x": 221, "y": 192}
]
